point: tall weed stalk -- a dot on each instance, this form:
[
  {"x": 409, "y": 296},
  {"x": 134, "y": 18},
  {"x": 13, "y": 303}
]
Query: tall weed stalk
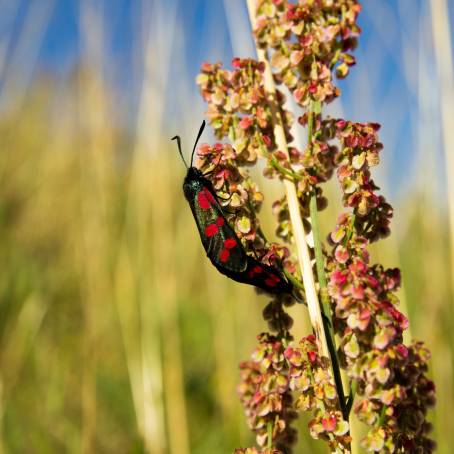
[{"x": 302, "y": 48}]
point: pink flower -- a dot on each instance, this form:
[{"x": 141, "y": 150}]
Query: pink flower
[
  {"x": 312, "y": 356},
  {"x": 313, "y": 87},
  {"x": 338, "y": 277},
  {"x": 341, "y": 254},
  {"x": 267, "y": 140},
  {"x": 329, "y": 424},
  {"x": 245, "y": 123},
  {"x": 236, "y": 62}
]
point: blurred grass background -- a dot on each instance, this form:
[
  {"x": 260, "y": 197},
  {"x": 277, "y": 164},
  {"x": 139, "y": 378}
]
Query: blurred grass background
[{"x": 116, "y": 334}]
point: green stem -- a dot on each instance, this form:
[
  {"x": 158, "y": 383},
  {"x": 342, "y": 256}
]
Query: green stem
[
  {"x": 283, "y": 170},
  {"x": 324, "y": 297},
  {"x": 351, "y": 230},
  {"x": 381, "y": 419},
  {"x": 269, "y": 429},
  {"x": 293, "y": 280},
  {"x": 325, "y": 306},
  {"x": 319, "y": 260},
  {"x": 351, "y": 397},
  {"x": 335, "y": 58}
]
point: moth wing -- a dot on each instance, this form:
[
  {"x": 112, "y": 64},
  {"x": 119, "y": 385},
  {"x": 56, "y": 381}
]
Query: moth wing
[
  {"x": 266, "y": 277},
  {"x": 221, "y": 244}
]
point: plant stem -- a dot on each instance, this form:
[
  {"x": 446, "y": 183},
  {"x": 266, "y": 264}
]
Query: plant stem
[
  {"x": 351, "y": 397},
  {"x": 293, "y": 202},
  {"x": 269, "y": 430},
  {"x": 295, "y": 282},
  {"x": 325, "y": 303},
  {"x": 445, "y": 68},
  {"x": 325, "y": 342},
  {"x": 292, "y": 175}
]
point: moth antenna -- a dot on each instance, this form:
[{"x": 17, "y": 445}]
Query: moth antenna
[
  {"x": 179, "y": 149},
  {"x": 202, "y": 127}
]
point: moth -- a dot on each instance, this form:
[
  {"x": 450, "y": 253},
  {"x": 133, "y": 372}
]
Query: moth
[{"x": 219, "y": 239}]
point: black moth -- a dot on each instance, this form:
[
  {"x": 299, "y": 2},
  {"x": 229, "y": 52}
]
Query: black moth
[{"x": 221, "y": 244}]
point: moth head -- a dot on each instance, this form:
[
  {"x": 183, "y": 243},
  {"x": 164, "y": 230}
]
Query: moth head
[{"x": 194, "y": 174}]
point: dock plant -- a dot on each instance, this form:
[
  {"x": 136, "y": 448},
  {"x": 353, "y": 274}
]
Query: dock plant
[{"x": 355, "y": 360}]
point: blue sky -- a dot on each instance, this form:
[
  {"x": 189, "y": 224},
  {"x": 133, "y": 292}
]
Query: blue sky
[{"x": 383, "y": 87}]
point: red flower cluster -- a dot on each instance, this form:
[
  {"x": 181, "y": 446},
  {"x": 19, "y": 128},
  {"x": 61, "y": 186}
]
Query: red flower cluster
[
  {"x": 237, "y": 106},
  {"x": 310, "y": 39},
  {"x": 273, "y": 376},
  {"x": 389, "y": 376},
  {"x": 312, "y": 382},
  {"x": 265, "y": 394},
  {"x": 359, "y": 151},
  {"x": 395, "y": 399}
]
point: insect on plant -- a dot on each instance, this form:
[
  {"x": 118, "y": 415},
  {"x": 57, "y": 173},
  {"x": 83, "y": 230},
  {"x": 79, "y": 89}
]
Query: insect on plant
[{"x": 220, "y": 241}]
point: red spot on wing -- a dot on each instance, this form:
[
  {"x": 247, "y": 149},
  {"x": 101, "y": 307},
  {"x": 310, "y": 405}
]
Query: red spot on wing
[
  {"x": 229, "y": 243},
  {"x": 209, "y": 196},
  {"x": 211, "y": 230},
  {"x": 254, "y": 271},
  {"x": 270, "y": 282},
  {"x": 203, "y": 201},
  {"x": 257, "y": 269},
  {"x": 220, "y": 221},
  {"x": 224, "y": 255}
]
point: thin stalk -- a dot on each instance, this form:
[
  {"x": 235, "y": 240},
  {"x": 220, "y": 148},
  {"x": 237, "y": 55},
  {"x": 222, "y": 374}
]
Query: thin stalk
[
  {"x": 151, "y": 377},
  {"x": 269, "y": 429},
  {"x": 325, "y": 342},
  {"x": 292, "y": 175},
  {"x": 351, "y": 397},
  {"x": 95, "y": 168},
  {"x": 304, "y": 260},
  {"x": 295, "y": 282},
  {"x": 165, "y": 288},
  {"x": 325, "y": 302},
  {"x": 319, "y": 260},
  {"x": 445, "y": 68}
]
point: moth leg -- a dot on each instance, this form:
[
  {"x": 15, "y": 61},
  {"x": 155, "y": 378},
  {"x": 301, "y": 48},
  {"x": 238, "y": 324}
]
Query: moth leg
[
  {"x": 255, "y": 252},
  {"x": 226, "y": 211},
  {"x": 231, "y": 213},
  {"x": 209, "y": 249}
]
